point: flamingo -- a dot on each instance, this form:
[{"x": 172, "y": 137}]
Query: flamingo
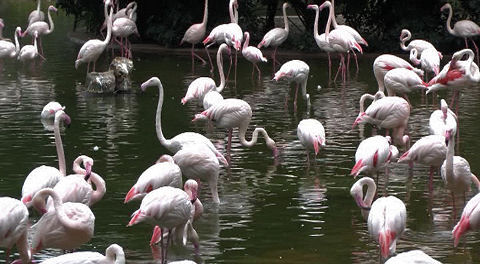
[
  {"x": 202, "y": 85},
  {"x": 295, "y": 71},
  {"x": 311, "y": 134},
  {"x": 419, "y": 44},
  {"x": 181, "y": 140},
  {"x": 463, "y": 28},
  {"x": 231, "y": 113},
  {"x": 36, "y": 15},
  {"x": 41, "y": 27},
  {"x": 123, "y": 27},
  {"x": 92, "y": 49},
  {"x": 14, "y": 227},
  {"x": 469, "y": 220},
  {"x": 163, "y": 173},
  {"x": 50, "y": 109},
  {"x": 387, "y": 62},
  {"x": 340, "y": 40},
  {"x": 456, "y": 172},
  {"x": 276, "y": 36},
  {"x": 68, "y": 226},
  {"x": 429, "y": 60},
  {"x": 168, "y": 208},
  {"x": 387, "y": 112},
  {"x": 211, "y": 98},
  {"x": 372, "y": 154},
  {"x": 113, "y": 255},
  {"x": 387, "y": 216},
  {"x": 442, "y": 120},
  {"x": 321, "y": 41},
  {"x": 402, "y": 81},
  {"x": 76, "y": 188},
  {"x": 7, "y": 48},
  {"x": 252, "y": 54},
  {"x": 47, "y": 176},
  {"x": 195, "y": 34},
  {"x": 428, "y": 150},
  {"x": 29, "y": 52},
  {"x": 412, "y": 257},
  {"x": 129, "y": 10}
]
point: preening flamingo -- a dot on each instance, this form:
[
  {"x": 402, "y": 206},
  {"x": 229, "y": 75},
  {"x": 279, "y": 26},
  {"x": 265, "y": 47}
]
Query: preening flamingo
[
  {"x": 463, "y": 28},
  {"x": 429, "y": 60},
  {"x": 400, "y": 81},
  {"x": 181, "y": 140},
  {"x": 113, "y": 255},
  {"x": 412, "y": 257},
  {"x": 311, "y": 134},
  {"x": 168, "y": 208},
  {"x": 47, "y": 176},
  {"x": 442, "y": 120},
  {"x": 14, "y": 227},
  {"x": 29, "y": 52},
  {"x": 419, "y": 44},
  {"x": 68, "y": 226},
  {"x": 231, "y": 113},
  {"x": 470, "y": 219},
  {"x": 385, "y": 112},
  {"x": 92, "y": 49},
  {"x": 202, "y": 85},
  {"x": 372, "y": 154},
  {"x": 252, "y": 54},
  {"x": 163, "y": 173},
  {"x": 7, "y": 48},
  {"x": 295, "y": 71},
  {"x": 276, "y": 36},
  {"x": 456, "y": 172},
  {"x": 387, "y": 62},
  {"x": 195, "y": 34},
  {"x": 387, "y": 216},
  {"x": 321, "y": 41},
  {"x": 36, "y": 15}
]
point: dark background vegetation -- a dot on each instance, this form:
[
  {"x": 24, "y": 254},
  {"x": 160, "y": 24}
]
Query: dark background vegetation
[{"x": 378, "y": 21}]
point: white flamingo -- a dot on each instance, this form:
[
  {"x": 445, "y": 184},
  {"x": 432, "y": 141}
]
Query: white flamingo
[
  {"x": 36, "y": 15},
  {"x": 7, "y": 48},
  {"x": 321, "y": 41},
  {"x": 41, "y": 28},
  {"x": 419, "y": 44},
  {"x": 387, "y": 62},
  {"x": 195, "y": 34},
  {"x": 252, "y": 54},
  {"x": 311, "y": 134},
  {"x": 14, "y": 227},
  {"x": 470, "y": 219},
  {"x": 443, "y": 119},
  {"x": 429, "y": 60},
  {"x": 402, "y": 81},
  {"x": 412, "y": 257},
  {"x": 295, "y": 71},
  {"x": 372, "y": 154},
  {"x": 113, "y": 255},
  {"x": 29, "y": 52}
]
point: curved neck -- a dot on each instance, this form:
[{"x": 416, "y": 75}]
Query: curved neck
[
  {"x": 414, "y": 56},
  {"x": 405, "y": 39},
  {"x": 132, "y": 11},
  {"x": 59, "y": 211},
  {"x": 231, "y": 12},
  {"x": 371, "y": 188},
  {"x": 115, "y": 253},
  {"x": 100, "y": 188},
  {"x": 158, "y": 119},
  {"x": 76, "y": 165},
  {"x": 315, "y": 24},
  {"x": 362, "y": 101},
  {"x": 58, "y": 141},
  {"x": 285, "y": 19},
  {"x": 109, "y": 28},
  {"x": 205, "y": 13},
  {"x": 253, "y": 141},
  {"x": 449, "y": 20},
  {"x": 220, "y": 68},
  {"x": 35, "y": 44},
  {"x": 332, "y": 13},
  {"x": 247, "y": 40},
  {"x": 50, "y": 21}
]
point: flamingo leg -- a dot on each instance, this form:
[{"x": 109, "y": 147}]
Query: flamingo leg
[
  {"x": 259, "y": 72},
  {"x": 166, "y": 246},
  {"x": 7, "y": 255},
  {"x": 229, "y": 68},
  {"x": 466, "y": 43},
  {"x": 236, "y": 55},
  {"x": 296, "y": 95},
  {"x": 356, "y": 61},
  {"x": 430, "y": 182},
  {"x": 329, "y": 67},
  {"x": 193, "y": 60},
  {"x": 454, "y": 208},
  {"x": 94, "y": 66},
  {"x": 274, "y": 59},
  {"x": 253, "y": 70},
  {"x": 338, "y": 70},
  {"x": 229, "y": 144},
  {"x": 476, "y": 49},
  {"x": 88, "y": 66},
  {"x": 209, "y": 59}
]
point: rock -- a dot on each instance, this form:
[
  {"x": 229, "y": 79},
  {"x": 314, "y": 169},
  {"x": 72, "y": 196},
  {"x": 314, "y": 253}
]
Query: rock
[
  {"x": 122, "y": 68},
  {"x": 116, "y": 79},
  {"x": 100, "y": 82}
]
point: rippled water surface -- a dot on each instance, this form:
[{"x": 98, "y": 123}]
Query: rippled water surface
[{"x": 272, "y": 211}]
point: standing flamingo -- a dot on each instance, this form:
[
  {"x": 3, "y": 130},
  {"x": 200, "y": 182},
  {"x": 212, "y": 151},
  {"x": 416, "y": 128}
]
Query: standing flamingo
[
  {"x": 402, "y": 81},
  {"x": 442, "y": 120},
  {"x": 36, "y": 15},
  {"x": 372, "y": 154},
  {"x": 92, "y": 49},
  {"x": 47, "y": 176},
  {"x": 412, "y": 257},
  {"x": 195, "y": 34},
  {"x": 231, "y": 113},
  {"x": 295, "y": 71},
  {"x": 387, "y": 62},
  {"x": 41, "y": 27},
  {"x": 429, "y": 60},
  {"x": 123, "y": 27},
  {"x": 312, "y": 135},
  {"x": 387, "y": 216},
  {"x": 202, "y": 85},
  {"x": 68, "y": 226},
  {"x": 8, "y": 49},
  {"x": 252, "y": 54},
  {"x": 163, "y": 173},
  {"x": 113, "y": 255},
  {"x": 168, "y": 208},
  {"x": 463, "y": 28},
  {"x": 29, "y": 52},
  {"x": 276, "y": 36},
  {"x": 321, "y": 41},
  {"x": 470, "y": 219},
  {"x": 14, "y": 227},
  {"x": 419, "y": 44},
  {"x": 181, "y": 140}
]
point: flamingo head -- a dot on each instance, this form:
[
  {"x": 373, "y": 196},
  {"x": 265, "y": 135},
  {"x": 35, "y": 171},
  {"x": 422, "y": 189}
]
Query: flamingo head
[
  {"x": 150, "y": 82},
  {"x": 26, "y": 199},
  {"x": 131, "y": 194},
  {"x": 314, "y": 7},
  {"x": 393, "y": 153},
  {"x": 18, "y": 31},
  {"x": 359, "y": 167},
  {"x": 359, "y": 119},
  {"x": 445, "y": 7},
  {"x": 460, "y": 228},
  {"x": 63, "y": 116},
  {"x": 385, "y": 239},
  {"x": 156, "y": 236},
  {"x": 88, "y": 163},
  {"x": 272, "y": 145},
  {"x": 38, "y": 202},
  {"x": 404, "y": 34},
  {"x": 137, "y": 217},
  {"x": 52, "y": 8},
  {"x": 325, "y": 4},
  {"x": 444, "y": 108},
  {"x": 448, "y": 136},
  {"x": 191, "y": 188}
]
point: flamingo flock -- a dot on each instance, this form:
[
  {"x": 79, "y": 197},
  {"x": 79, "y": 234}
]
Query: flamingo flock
[{"x": 64, "y": 200}]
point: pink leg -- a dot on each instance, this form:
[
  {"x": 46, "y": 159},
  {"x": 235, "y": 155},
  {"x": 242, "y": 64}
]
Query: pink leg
[
  {"x": 94, "y": 65},
  {"x": 430, "y": 182},
  {"x": 296, "y": 95},
  {"x": 356, "y": 61},
  {"x": 198, "y": 56},
  {"x": 339, "y": 67},
  {"x": 274, "y": 60},
  {"x": 454, "y": 208},
  {"x": 329, "y": 67},
  {"x": 466, "y": 43},
  {"x": 193, "y": 60},
  {"x": 236, "y": 55},
  {"x": 259, "y": 72},
  {"x": 476, "y": 49},
  {"x": 229, "y": 144},
  {"x": 253, "y": 69},
  {"x": 209, "y": 59}
]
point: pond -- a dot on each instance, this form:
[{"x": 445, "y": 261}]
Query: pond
[{"x": 273, "y": 210}]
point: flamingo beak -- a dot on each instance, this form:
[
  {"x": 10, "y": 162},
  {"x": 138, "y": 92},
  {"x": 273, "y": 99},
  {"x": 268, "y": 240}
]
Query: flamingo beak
[
  {"x": 156, "y": 236},
  {"x": 130, "y": 195}
]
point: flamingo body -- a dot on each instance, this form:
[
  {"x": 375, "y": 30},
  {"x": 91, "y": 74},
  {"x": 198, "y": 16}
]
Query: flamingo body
[
  {"x": 428, "y": 150},
  {"x": 387, "y": 62},
  {"x": 113, "y": 255},
  {"x": 295, "y": 71},
  {"x": 311, "y": 134},
  {"x": 470, "y": 219},
  {"x": 412, "y": 257},
  {"x": 14, "y": 226},
  {"x": 441, "y": 120},
  {"x": 372, "y": 154},
  {"x": 401, "y": 81}
]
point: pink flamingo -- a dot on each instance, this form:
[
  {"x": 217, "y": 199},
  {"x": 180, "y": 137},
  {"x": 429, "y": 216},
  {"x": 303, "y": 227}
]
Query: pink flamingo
[
  {"x": 340, "y": 40},
  {"x": 372, "y": 154},
  {"x": 456, "y": 172},
  {"x": 429, "y": 60},
  {"x": 36, "y": 15},
  {"x": 195, "y": 34},
  {"x": 14, "y": 227},
  {"x": 402, "y": 81},
  {"x": 47, "y": 176},
  {"x": 252, "y": 54},
  {"x": 321, "y": 41},
  {"x": 163, "y": 173},
  {"x": 463, "y": 28},
  {"x": 419, "y": 44},
  {"x": 123, "y": 27},
  {"x": 7, "y": 48},
  {"x": 168, "y": 208},
  {"x": 387, "y": 216},
  {"x": 412, "y": 256},
  {"x": 443, "y": 119},
  {"x": 202, "y": 85},
  {"x": 68, "y": 226},
  {"x": 181, "y": 140},
  {"x": 126, "y": 12},
  {"x": 41, "y": 27},
  {"x": 50, "y": 109},
  {"x": 29, "y": 52},
  {"x": 113, "y": 255},
  {"x": 276, "y": 36},
  {"x": 470, "y": 219},
  {"x": 231, "y": 113},
  {"x": 387, "y": 62},
  {"x": 311, "y": 134},
  {"x": 295, "y": 71},
  {"x": 92, "y": 49}
]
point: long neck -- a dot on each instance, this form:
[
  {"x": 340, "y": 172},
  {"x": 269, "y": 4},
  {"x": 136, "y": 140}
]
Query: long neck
[
  {"x": 23, "y": 248},
  {"x": 158, "y": 119},
  {"x": 35, "y": 44},
  {"x": 315, "y": 25},
  {"x": 38, "y": 5},
  {"x": 17, "y": 45},
  {"x": 414, "y": 56},
  {"x": 329, "y": 22},
  {"x": 449, "y": 159},
  {"x": 246, "y": 42},
  {"x": 100, "y": 188},
  {"x": 334, "y": 21},
  {"x": 371, "y": 188},
  {"x": 132, "y": 15},
  {"x": 115, "y": 253},
  {"x": 285, "y": 19},
  {"x": 50, "y": 21},
  {"x": 468, "y": 70},
  {"x": 362, "y": 101},
  {"x": 449, "y": 20},
  {"x": 109, "y": 29},
  {"x": 59, "y": 144},
  {"x": 405, "y": 39},
  {"x": 220, "y": 70},
  {"x": 59, "y": 210},
  {"x": 253, "y": 141},
  {"x": 230, "y": 11},
  {"x": 76, "y": 165},
  {"x": 205, "y": 13}
]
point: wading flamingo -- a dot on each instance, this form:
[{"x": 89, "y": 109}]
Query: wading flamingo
[
  {"x": 113, "y": 255},
  {"x": 429, "y": 60},
  {"x": 252, "y": 54},
  {"x": 311, "y": 134},
  {"x": 321, "y": 41},
  {"x": 29, "y": 52},
  {"x": 36, "y": 15},
  {"x": 123, "y": 27},
  {"x": 443, "y": 119},
  {"x": 41, "y": 27},
  {"x": 14, "y": 227},
  {"x": 181, "y": 140},
  {"x": 372, "y": 154},
  {"x": 195, "y": 34},
  {"x": 419, "y": 44},
  {"x": 400, "y": 81},
  {"x": 387, "y": 62},
  {"x": 470, "y": 219},
  {"x": 7, "y": 48},
  {"x": 295, "y": 71}
]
